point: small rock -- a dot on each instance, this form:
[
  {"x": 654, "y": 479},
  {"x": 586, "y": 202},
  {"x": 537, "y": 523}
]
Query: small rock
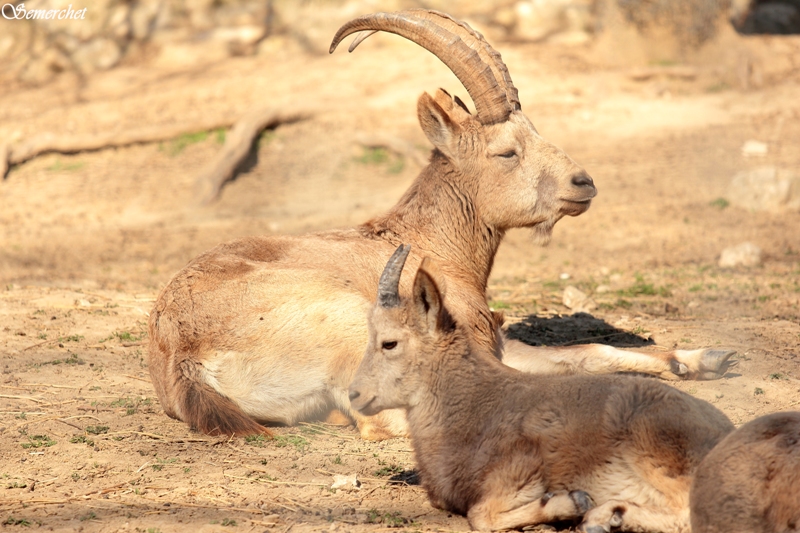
[
  {"x": 143, "y": 18},
  {"x": 6, "y": 44},
  {"x": 754, "y": 148},
  {"x": 745, "y": 254},
  {"x": 602, "y": 289},
  {"x": 99, "y": 54},
  {"x": 577, "y": 301},
  {"x": 564, "y": 275},
  {"x": 766, "y": 189},
  {"x": 565, "y": 20},
  {"x": 350, "y": 482}
]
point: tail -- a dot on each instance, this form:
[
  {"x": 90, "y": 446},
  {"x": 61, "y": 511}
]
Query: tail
[
  {"x": 179, "y": 379},
  {"x": 209, "y": 412}
]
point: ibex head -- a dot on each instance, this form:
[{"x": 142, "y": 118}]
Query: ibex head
[
  {"x": 406, "y": 338},
  {"x": 519, "y": 179}
]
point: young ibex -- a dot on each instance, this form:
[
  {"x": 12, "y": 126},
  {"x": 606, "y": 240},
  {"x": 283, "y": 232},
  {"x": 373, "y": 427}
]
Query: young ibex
[
  {"x": 271, "y": 329},
  {"x": 750, "y": 482},
  {"x": 509, "y": 449}
]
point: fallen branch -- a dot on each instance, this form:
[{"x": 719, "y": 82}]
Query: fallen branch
[
  {"x": 70, "y": 144},
  {"x": 15, "y": 154},
  {"x": 5, "y": 148},
  {"x": 670, "y": 71},
  {"x": 37, "y": 400},
  {"x": 397, "y": 145},
  {"x": 238, "y": 143},
  {"x": 275, "y": 482},
  {"x": 76, "y": 426},
  {"x": 137, "y": 377},
  {"x": 162, "y": 438}
]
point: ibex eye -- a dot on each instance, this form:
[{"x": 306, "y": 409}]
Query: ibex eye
[
  {"x": 389, "y": 345},
  {"x": 509, "y": 154}
]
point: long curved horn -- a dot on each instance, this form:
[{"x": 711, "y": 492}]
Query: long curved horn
[
  {"x": 494, "y": 101},
  {"x": 389, "y": 284},
  {"x": 494, "y": 56}
]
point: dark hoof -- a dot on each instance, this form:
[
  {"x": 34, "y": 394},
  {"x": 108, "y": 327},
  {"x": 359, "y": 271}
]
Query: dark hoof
[
  {"x": 583, "y": 502},
  {"x": 678, "y": 368},
  {"x": 547, "y": 497},
  {"x": 714, "y": 363}
]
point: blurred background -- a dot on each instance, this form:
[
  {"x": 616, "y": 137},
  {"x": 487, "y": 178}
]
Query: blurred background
[{"x": 116, "y": 33}]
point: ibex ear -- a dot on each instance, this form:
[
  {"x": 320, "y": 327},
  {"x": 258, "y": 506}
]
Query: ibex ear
[
  {"x": 436, "y": 120},
  {"x": 427, "y": 303}
]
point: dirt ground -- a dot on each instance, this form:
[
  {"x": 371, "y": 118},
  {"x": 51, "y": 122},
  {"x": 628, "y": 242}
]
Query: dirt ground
[{"x": 87, "y": 241}]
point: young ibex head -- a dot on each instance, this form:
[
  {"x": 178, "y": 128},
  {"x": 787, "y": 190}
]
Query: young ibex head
[
  {"x": 405, "y": 339},
  {"x": 518, "y": 178}
]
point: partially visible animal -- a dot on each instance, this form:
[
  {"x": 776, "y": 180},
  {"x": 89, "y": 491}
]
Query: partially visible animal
[
  {"x": 271, "y": 329},
  {"x": 750, "y": 482},
  {"x": 509, "y": 449},
  {"x": 775, "y": 17}
]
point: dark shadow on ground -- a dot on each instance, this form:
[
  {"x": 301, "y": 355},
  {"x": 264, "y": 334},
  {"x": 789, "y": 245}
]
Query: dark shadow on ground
[
  {"x": 580, "y": 328},
  {"x": 406, "y": 477}
]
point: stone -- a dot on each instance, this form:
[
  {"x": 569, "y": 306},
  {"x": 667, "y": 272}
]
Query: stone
[
  {"x": 745, "y": 254},
  {"x": 535, "y": 20},
  {"x": 754, "y": 148},
  {"x": 143, "y": 17},
  {"x": 346, "y": 482},
  {"x": 99, "y": 54},
  {"x": 42, "y": 68},
  {"x": 766, "y": 189},
  {"x": 576, "y": 300}
]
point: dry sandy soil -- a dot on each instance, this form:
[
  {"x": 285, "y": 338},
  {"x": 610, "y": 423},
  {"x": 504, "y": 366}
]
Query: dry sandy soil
[{"x": 87, "y": 241}]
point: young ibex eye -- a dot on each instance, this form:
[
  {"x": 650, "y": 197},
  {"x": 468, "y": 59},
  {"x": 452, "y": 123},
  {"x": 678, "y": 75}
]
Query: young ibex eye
[
  {"x": 508, "y": 155},
  {"x": 389, "y": 345}
]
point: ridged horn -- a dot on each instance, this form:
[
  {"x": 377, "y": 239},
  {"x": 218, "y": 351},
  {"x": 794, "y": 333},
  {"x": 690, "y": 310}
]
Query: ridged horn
[
  {"x": 494, "y": 101},
  {"x": 389, "y": 284},
  {"x": 494, "y": 56}
]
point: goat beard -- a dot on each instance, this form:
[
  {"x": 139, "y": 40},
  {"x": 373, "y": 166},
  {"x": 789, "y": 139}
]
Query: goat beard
[{"x": 542, "y": 232}]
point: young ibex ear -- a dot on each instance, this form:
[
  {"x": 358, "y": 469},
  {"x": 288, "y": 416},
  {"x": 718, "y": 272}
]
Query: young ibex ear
[
  {"x": 439, "y": 126},
  {"x": 427, "y": 303}
]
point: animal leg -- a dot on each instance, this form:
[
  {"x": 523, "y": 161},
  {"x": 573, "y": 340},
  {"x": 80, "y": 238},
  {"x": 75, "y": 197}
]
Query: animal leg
[
  {"x": 385, "y": 425},
  {"x": 603, "y": 359},
  {"x": 494, "y": 514},
  {"x": 627, "y": 516}
]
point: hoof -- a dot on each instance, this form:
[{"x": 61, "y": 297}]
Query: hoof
[
  {"x": 616, "y": 519},
  {"x": 583, "y": 502},
  {"x": 678, "y": 368},
  {"x": 714, "y": 363},
  {"x": 593, "y": 529},
  {"x": 547, "y": 497}
]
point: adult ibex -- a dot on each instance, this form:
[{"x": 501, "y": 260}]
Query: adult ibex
[
  {"x": 271, "y": 329},
  {"x": 750, "y": 482},
  {"x": 510, "y": 449}
]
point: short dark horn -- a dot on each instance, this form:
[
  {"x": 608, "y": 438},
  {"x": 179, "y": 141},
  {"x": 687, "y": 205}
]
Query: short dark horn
[{"x": 389, "y": 284}]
